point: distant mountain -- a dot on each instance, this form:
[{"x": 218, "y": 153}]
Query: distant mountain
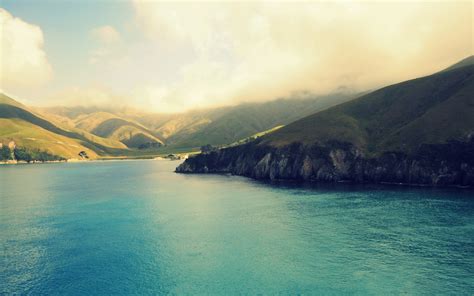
[
  {"x": 230, "y": 124},
  {"x": 111, "y": 126},
  {"x": 114, "y": 124},
  {"x": 32, "y": 130},
  {"x": 214, "y": 126},
  {"x": 418, "y": 131}
]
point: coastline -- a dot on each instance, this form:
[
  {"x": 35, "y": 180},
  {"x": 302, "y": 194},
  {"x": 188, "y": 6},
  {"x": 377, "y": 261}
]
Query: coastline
[
  {"x": 438, "y": 165},
  {"x": 14, "y": 162},
  {"x": 22, "y": 162}
]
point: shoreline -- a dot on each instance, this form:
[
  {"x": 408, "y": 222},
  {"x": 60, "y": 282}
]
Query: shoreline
[
  {"x": 157, "y": 158},
  {"x": 161, "y": 157},
  {"x": 271, "y": 182}
]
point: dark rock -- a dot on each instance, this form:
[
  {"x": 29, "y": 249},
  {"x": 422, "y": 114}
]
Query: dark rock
[
  {"x": 83, "y": 155},
  {"x": 449, "y": 164}
]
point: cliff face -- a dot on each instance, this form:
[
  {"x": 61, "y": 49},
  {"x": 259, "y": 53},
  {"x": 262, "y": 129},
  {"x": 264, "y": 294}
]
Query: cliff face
[{"x": 449, "y": 164}]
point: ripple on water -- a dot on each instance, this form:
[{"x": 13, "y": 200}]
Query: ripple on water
[{"x": 136, "y": 227}]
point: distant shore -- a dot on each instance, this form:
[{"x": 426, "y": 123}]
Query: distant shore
[{"x": 118, "y": 158}]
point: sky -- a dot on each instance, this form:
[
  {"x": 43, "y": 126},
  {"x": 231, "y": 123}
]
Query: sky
[{"x": 176, "y": 56}]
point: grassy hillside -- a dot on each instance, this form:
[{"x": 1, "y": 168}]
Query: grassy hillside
[
  {"x": 107, "y": 124},
  {"x": 400, "y": 117},
  {"x": 32, "y": 130},
  {"x": 226, "y": 125},
  {"x": 255, "y": 136},
  {"x": 215, "y": 126},
  {"x": 26, "y": 134},
  {"x": 131, "y": 134},
  {"x": 89, "y": 122}
]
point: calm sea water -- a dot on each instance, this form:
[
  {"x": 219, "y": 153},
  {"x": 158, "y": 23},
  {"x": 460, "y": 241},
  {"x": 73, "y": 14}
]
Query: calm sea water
[{"x": 135, "y": 227}]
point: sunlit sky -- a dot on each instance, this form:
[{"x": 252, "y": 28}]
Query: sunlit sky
[{"x": 170, "y": 57}]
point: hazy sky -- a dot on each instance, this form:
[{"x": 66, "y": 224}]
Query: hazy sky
[{"x": 171, "y": 57}]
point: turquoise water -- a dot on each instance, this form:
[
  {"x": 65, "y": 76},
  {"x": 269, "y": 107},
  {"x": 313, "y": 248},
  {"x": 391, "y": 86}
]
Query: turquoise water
[{"x": 134, "y": 227}]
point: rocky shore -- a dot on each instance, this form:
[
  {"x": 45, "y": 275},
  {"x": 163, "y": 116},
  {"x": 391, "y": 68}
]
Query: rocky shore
[{"x": 449, "y": 164}]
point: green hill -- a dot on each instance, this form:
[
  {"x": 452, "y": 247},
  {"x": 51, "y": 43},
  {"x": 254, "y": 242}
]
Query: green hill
[
  {"x": 107, "y": 124},
  {"x": 399, "y": 117},
  {"x": 226, "y": 125},
  {"x": 131, "y": 134},
  {"x": 31, "y": 130}
]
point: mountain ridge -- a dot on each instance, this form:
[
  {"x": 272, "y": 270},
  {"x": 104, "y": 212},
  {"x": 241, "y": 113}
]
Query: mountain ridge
[
  {"x": 420, "y": 131},
  {"x": 30, "y": 129},
  {"x": 216, "y": 126},
  {"x": 389, "y": 111}
]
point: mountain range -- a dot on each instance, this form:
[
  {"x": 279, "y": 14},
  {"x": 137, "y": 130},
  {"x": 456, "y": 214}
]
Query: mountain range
[
  {"x": 419, "y": 131},
  {"x": 414, "y": 132},
  {"x": 101, "y": 132}
]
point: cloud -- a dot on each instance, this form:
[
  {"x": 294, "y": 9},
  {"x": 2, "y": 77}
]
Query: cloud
[
  {"x": 178, "y": 56},
  {"x": 259, "y": 50},
  {"x": 106, "y": 34},
  {"x": 92, "y": 95},
  {"x": 23, "y": 61},
  {"x": 108, "y": 38},
  {"x": 97, "y": 95}
]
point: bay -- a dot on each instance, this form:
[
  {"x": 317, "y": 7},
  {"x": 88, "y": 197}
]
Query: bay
[{"x": 136, "y": 227}]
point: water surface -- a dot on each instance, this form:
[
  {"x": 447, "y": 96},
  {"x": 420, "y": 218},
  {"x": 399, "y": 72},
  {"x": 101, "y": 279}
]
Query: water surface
[{"x": 135, "y": 227}]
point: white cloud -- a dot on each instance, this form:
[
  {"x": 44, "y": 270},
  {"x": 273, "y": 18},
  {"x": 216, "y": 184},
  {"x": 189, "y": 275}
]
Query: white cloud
[
  {"x": 23, "y": 62},
  {"x": 257, "y": 51},
  {"x": 191, "y": 55},
  {"x": 92, "y": 95},
  {"x": 106, "y": 34},
  {"x": 108, "y": 38}
]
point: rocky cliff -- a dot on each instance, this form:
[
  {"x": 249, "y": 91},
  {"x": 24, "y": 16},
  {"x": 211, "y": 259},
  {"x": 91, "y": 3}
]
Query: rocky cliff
[{"x": 448, "y": 164}]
